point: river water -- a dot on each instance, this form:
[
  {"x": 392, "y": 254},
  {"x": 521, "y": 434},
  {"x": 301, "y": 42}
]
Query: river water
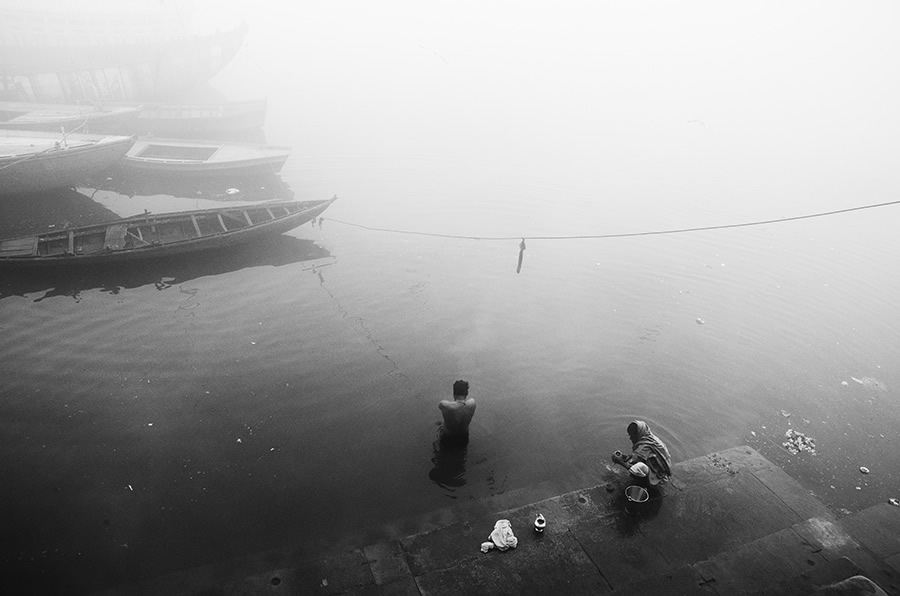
[{"x": 284, "y": 396}]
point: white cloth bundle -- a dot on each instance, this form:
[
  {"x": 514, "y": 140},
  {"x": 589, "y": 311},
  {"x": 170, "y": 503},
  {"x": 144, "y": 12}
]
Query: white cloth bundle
[{"x": 501, "y": 538}]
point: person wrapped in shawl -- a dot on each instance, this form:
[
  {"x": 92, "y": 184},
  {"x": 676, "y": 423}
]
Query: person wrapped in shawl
[{"x": 649, "y": 459}]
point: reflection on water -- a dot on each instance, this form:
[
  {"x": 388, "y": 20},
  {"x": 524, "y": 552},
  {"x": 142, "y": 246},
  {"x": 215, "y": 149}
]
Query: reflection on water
[
  {"x": 24, "y": 215},
  {"x": 163, "y": 273},
  {"x": 449, "y": 471},
  {"x": 515, "y": 134},
  {"x": 264, "y": 186}
]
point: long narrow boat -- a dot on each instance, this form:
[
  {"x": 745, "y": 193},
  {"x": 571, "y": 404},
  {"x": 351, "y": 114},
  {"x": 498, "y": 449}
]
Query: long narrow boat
[
  {"x": 33, "y": 161},
  {"x": 53, "y": 117},
  {"x": 150, "y": 236},
  {"x": 184, "y": 156},
  {"x": 201, "y": 119}
]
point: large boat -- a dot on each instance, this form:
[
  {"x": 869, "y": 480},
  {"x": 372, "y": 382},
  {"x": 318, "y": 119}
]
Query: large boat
[
  {"x": 34, "y": 161},
  {"x": 107, "y": 50},
  {"x": 71, "y": 118},
  {"x": 150, "y": 236},
  {"x": 201, "y": 120},
  {"x": 185, "y": 156}
]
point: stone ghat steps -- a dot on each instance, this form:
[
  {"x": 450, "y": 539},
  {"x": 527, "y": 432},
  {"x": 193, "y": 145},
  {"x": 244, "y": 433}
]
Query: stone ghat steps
[
  {"x": 729, "y": 523},
  {"x": 803, "y": 559}
]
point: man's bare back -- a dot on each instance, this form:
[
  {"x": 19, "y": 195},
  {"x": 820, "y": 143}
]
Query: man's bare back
[{"x": 457, "y": 412}]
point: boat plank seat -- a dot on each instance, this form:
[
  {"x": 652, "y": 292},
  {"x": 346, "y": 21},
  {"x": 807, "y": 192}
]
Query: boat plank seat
[
  {"x": 115, "y": 236},
  {"x": 233, "y": 220},
  {"x": 19, "y": 247},
  {"x": 196, "y": 225},
  {"x": 236, "y": 216},
  {"x": 137, "y": 239}
]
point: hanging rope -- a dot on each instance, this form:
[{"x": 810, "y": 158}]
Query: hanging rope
[
  {"x": 521, "y": 254},
  {"x": 627, "y": 234}
]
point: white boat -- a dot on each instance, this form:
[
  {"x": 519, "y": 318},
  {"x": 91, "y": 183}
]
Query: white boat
[
  {"x": 191, "y": 156},
  {"x": 34, "y": 161}
]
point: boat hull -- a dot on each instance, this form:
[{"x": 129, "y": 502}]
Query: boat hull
[
  {"x": 201, "y": 120},
  {"x": 141, "y": 71},
  {"x": 159, "y": 236},
  {"x": 30, "y": 161},
  {"x": 195, "y": 157},
  {"x": 72, "y": 118}
]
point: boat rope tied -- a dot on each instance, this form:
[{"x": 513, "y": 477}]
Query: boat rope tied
[
  {"x": 521, "y": 254},
  {"x": 628, "y": 234}
]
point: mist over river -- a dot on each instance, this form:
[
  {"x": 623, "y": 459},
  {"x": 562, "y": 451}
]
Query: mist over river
[{"x": 284, "y": 396}]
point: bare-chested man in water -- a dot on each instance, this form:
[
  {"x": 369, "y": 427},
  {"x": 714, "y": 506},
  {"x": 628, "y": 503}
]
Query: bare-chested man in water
[{"x": 457, "y": 414}]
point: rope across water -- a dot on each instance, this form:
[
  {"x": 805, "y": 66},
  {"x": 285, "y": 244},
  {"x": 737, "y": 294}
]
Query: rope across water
[{"x": 627, "y": 234}]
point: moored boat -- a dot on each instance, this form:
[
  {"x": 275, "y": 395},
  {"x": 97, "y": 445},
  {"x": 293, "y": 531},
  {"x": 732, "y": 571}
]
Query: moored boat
[
  {"x": 72, "y": 118},
  {"x": 107, "y": 50},
  {"x": 201, "y": 119},
  {"x": 34, "y": 161},
  {"x": 149, "y": 236},
  {"x": 192, "y": 156}
]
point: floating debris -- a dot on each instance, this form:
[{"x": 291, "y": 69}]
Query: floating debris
[
  {"x": 798, "y": 442},
  {"x": 864, "y": 469},
  {"x": 871, "y": 383},
  {"x": 845, "y": 383},
  {"x": 894, "y": 502},
  {"x": 700, "y": 321},
  {"x": 785, "y": 413}
]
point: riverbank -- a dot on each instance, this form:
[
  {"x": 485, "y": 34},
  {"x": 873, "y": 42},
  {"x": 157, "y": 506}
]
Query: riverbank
[{"x": 728, "y": 523}]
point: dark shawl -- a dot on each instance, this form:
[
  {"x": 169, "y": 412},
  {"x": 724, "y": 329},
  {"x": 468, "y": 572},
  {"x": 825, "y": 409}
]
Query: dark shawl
[{"x": 649, "y": 449}]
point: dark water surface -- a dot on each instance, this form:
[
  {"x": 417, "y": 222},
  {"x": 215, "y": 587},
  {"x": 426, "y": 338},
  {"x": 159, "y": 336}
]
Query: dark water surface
[{"x": 285, "y": 396}]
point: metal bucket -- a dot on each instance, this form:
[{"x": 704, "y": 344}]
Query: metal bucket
[{"x": 635, "y": 497}]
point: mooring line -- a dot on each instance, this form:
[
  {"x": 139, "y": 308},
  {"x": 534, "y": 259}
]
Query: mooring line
[{"x": 624, "y": 234}]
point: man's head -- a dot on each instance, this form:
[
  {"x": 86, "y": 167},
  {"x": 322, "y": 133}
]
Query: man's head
[{"x": 461, "y": 388}]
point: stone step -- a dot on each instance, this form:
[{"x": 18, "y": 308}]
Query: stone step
[{"x": 730, "y": 523}]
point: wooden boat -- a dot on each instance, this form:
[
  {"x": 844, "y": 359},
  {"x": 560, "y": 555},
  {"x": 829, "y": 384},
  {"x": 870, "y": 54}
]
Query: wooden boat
[
  {"x": 108, "y": 50},
  {"x": 201, "y": 119},
  {"x": 187, "y": 156},
  {"x": 150, "y": 236},
  {"x": 33, "y": 161},
  {"x": 72, "y": 118}
]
